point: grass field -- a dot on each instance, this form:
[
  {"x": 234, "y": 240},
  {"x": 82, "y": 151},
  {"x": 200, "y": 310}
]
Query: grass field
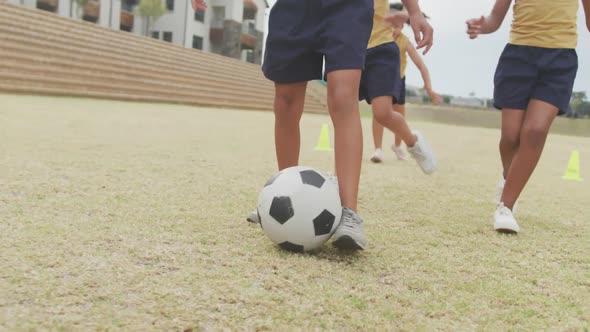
[{"x": 131, "y": 216}]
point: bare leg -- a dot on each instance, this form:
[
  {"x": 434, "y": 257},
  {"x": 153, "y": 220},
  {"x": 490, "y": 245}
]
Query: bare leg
[
  {"x": 533, "y": 134},
  {"x": 377, "y": 133},
  {"x": 382, "y": 111},
  {"x": 289, "y": 102},
  {"x": 401, "y": 109},
  {"x": 343, "y": 87},
  {"x": 512, "y": 121}
]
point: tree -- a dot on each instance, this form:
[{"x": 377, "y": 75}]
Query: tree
[
  {"x": 151, "y": 10},
  {"x": 583, "y": 109},
  {"x": 580, "y": 95},
  {"x": 578, "y": 98},
  {"x": 578, "y": 103}
]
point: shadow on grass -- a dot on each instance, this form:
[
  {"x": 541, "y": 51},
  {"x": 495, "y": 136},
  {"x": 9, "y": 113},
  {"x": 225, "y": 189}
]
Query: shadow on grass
[{"x": 326, "y": 252}]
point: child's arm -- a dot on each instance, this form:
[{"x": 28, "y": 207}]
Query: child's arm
[
  {"x": 586, "y": 4},
  {"x": 417, "y": 60},
  {"x": 490, "y": 23},
  {"x": 397, "y": 19},
  {"x": 199, "y": 4},
  {"x": 423, "y": 32}
]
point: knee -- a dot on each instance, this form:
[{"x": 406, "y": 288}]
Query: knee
[
  {"x": 340, "y": 97},
  {"x": 286, "y": 101},
  {"x": 288, "y": 107},
  {"x": 510, "y": 140},
  {"x": 533, "y": 136},
  {"x": 381, "y": 115}
]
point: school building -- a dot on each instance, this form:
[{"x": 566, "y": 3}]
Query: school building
[{"x": 233, "y": 28}]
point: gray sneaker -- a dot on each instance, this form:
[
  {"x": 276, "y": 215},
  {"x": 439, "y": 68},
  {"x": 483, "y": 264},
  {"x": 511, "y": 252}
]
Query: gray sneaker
[
  {"x": 253, "y": 217},
  {"x": 350, "y": 234}
]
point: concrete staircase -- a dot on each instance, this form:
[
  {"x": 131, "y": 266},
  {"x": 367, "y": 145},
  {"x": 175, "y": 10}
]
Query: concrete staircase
[{"x": 43, "y": 53}]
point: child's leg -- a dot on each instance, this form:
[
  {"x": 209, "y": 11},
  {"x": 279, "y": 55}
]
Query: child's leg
[
  {"x": 401, "y": 109},
  {"x": 343, "y": 87},
  {"x": 382, "y": 111},
  {"x": 533, "y": 134},
  {"x": 288, "y": 108},
  {"x": 512, "y": 120},
  {"x": 377, "y": 133}
]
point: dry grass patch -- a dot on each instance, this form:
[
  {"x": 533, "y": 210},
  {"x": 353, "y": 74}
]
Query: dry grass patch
[{"x": 131, "y": 216}]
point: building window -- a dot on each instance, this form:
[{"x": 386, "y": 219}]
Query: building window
[
  {"x": 200, "y": 15},
  {"x": 198, "y": 42},
  {"x": 156, "y": 34},
  {"x": 48, "y": 5},
  {"x": 170, "y": 5},
  {"x": 167, "y": 36},
  {"x": 128, "y": 5}
]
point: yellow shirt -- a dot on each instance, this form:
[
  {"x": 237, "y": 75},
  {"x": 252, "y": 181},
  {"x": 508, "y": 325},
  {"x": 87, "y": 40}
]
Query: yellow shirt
[
  {"x": 402, "y": 42},
  {"x": 545, "y": 23},
  {"x": 381, "y": 33}
]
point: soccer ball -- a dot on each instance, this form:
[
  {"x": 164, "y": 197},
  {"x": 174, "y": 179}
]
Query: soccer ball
[{"x": 299, "y": 209}]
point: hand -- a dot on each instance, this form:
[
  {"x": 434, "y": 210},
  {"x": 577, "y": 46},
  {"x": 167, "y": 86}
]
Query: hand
[
  {"x": 423, "y": 32},
  {"x": 396, "y": 19},
  {"x": 199, "y": 4},
  {"x": 474, "y": 26},
  {"x": 435, "y": 97}
]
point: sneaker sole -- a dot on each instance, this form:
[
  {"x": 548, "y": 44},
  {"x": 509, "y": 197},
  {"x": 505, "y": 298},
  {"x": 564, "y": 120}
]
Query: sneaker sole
[
  {"x": 347, "y": 243},
  {"x": 252, "y": 220},
  {"x": 506, "y": 231},
  {"x": 376, "y": 160}
]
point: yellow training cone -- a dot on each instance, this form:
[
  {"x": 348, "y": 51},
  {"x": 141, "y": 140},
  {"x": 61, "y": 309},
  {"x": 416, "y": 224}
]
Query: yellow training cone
[
  {"x": 324, "y": 141},
  {"x": 573, "y": 168}
]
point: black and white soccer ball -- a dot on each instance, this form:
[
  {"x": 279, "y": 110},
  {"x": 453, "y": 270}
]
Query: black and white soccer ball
[{"x": 299, "y": 209}]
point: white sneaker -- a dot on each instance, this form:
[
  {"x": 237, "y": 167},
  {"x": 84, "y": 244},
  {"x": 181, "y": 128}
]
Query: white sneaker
[
  {"x": 350, "y": 234},
  {"x": 504, "y": 220},
  {"x": 253, "y": 217},
  {"x": 423, "y": 154},
  {"x": 377, "y": 156},
  {"x": 399, "y": 152},
  {"x": 500, "y": 191}
]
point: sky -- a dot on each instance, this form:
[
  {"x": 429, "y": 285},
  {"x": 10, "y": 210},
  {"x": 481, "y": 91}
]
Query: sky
[{"x": 460, "y": 66}]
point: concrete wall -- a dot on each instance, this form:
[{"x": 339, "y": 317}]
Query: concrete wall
[
  {"x": 63, "y": 7},
  {"x": 196, "y": 28},
  {"x": 234, "y": 9},
  {"x": 260, "y": 24},
  {"x": 173, "y": 21}
]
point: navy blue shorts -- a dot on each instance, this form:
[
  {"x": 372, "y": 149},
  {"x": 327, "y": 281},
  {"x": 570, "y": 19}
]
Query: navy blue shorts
[
  {"x": 304, "y": 32},
  {"x": 381, "y": 75},
  {"x": 402, "y": 94},
  {"x": 527, "y": 72}
]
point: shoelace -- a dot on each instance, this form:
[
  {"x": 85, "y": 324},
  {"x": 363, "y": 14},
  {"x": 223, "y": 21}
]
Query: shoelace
[
  {"x": 349, "y": 217},
  {"x": 419, "y": 155},
  {"x": 504, "y": 211}
]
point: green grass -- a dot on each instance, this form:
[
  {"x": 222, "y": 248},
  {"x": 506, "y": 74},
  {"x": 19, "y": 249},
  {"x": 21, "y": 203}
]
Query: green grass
[{"x": 131, "y": 216}]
